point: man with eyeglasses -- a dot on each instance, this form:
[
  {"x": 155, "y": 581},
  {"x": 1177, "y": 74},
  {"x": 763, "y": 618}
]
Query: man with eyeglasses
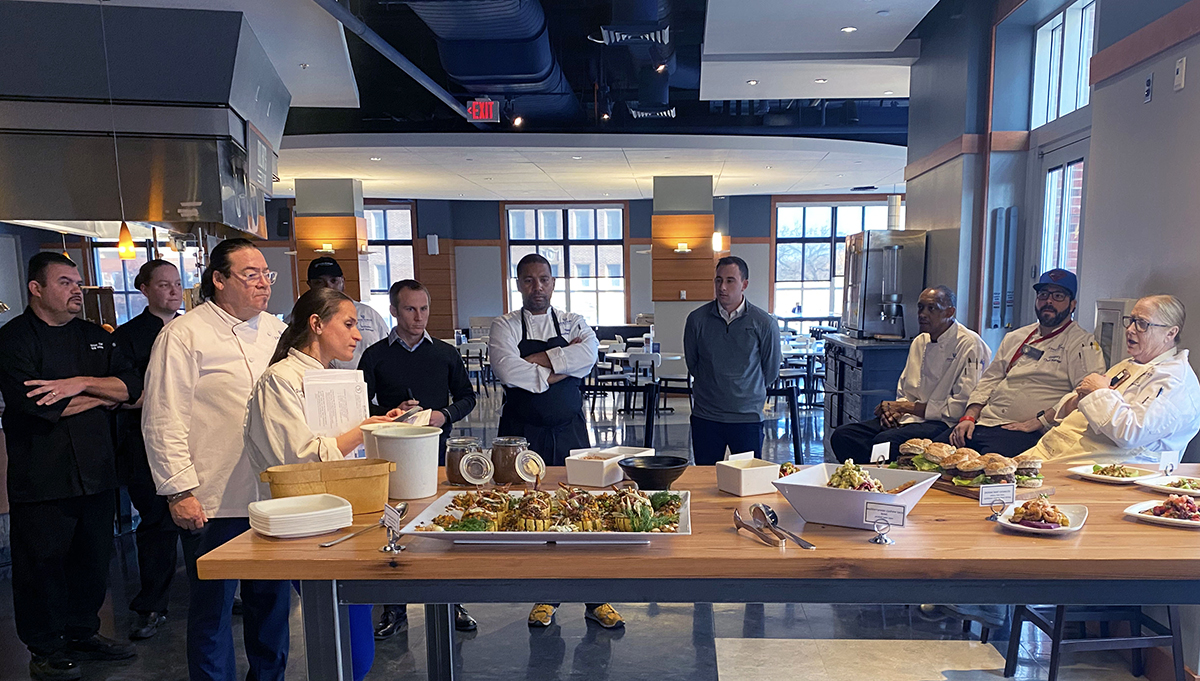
[
  {"x": 1035, "y": 366},
  {"x": 202, "y": 368},
  {"x": 1143, "y": 406}
]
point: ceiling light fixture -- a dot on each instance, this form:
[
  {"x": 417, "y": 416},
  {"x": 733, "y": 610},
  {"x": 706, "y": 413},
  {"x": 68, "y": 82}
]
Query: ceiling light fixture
[
  {"x": 577, "y": 158},
  {"x": 754, "y": 185},
  {"x": 767, "y": 167},
  {"x": 752, "y": 82},
  {"x": 304, "y": 66},
  {"x": 883, "y": 13},
  {"x": 518, "y": 122},
  {"x": 661, "y": 68},
  {"x": 849, "y": 29},
  {"x": 605, "y": 117},
  {"x": 821, "y": 81},
  {"x": 376, "y": 158},
  {"x": 888, "y": 92}
]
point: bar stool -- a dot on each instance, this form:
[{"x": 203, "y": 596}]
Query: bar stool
[{"x": 1055, "y": 629}]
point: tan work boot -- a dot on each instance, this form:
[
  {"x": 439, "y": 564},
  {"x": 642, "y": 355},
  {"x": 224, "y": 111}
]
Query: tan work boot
[
  {"x": 604, "y": 615},
  {"x": 541, "y": 615}
]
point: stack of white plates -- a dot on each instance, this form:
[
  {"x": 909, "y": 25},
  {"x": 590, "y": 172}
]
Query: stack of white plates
[{"x": 304, "y": 516}]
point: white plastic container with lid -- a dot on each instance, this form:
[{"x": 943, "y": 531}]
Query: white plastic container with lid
[
  {"x": 594, "y": 467},
  {"x": 414, "y": 450}
]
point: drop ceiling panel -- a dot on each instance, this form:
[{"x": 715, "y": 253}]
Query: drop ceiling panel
[
  {"x": 764, "y": 26},
  {"x": 727, "y": 80}
]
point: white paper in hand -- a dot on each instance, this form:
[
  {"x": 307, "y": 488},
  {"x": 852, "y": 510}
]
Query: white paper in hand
[
  {"x": 881, "y": 452},
  {"x": 335, "y": 400}
]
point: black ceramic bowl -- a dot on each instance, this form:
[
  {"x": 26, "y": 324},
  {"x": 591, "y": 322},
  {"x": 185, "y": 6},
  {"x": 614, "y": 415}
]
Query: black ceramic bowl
[{"x": 653, "y": 472}]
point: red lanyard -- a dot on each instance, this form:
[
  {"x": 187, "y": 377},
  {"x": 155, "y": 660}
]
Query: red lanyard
[{"x": 1021, "y": 349}]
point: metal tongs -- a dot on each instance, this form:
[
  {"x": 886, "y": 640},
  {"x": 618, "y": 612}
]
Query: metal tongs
[
  {"x": 765, "y": 517},
  {"x": 767, "y": 539}
]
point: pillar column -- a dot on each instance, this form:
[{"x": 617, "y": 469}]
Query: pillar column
[
  {"x": 329, "y": 216},
  {"x": 683, "y": 281}
]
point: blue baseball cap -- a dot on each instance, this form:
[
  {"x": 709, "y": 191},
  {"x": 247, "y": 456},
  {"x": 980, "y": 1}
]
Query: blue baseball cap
[{"x": 1059, "y": 277}]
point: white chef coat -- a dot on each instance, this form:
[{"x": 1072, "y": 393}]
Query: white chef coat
[
  {"x": 942, "y": 373},
  {"x": 277, "y": 431},
  {"x": 202, "y": 369},
  {"x": 574, "y": 360},
  {"x": 1011, "y": 394},
  {"x": 1155, "y": 409},
  {"x": 373, "y": 328}
]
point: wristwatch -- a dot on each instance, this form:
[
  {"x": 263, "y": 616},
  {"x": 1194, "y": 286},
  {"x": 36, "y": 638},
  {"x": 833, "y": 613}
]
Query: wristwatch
[
  {"x": 1041, "y": 417},
  {"x": 172, "y": 498}
]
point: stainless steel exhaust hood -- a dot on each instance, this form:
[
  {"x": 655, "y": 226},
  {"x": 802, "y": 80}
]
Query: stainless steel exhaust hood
[{"x": 199, "y": 113}]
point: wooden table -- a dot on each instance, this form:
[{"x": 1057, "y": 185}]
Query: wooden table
[{"x": 946, "y": 553}]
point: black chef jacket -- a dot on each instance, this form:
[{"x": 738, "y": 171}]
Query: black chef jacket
[
  {"x": 51, "y": 456},
  {"x": 135, "y": 339}
]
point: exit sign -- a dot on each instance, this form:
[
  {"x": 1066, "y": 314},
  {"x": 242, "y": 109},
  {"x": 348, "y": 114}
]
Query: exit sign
[{"x": 484, "y": 110}]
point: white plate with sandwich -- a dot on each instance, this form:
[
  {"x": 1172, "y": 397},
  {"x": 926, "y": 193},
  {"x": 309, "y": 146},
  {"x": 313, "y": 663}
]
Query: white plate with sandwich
[{"x": 1128, "y": 474}]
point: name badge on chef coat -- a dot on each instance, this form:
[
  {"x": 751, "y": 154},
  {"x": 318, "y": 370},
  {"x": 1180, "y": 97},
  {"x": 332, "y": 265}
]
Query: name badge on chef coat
[
  {"x": 366, "y": 324},
  {"x": 1033, "y": 353}
]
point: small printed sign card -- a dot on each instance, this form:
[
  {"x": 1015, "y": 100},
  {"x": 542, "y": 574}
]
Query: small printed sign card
[
  {"x": 1005, "y": 493},
  {"x": 892, "y": 513}
]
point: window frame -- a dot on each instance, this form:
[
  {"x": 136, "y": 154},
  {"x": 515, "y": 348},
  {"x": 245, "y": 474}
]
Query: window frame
[
  {"x": 565, "y": 242},
  {"x": 1061, "y": 69},
  {"x": 140, "y": 247},
  {"x": 383, "y": 207},
  {"x": 833, "y": 201}
]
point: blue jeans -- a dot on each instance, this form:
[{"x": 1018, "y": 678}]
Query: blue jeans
[
  {"x": 709, "y": 439},
  {"x": 265, "y": 606}
]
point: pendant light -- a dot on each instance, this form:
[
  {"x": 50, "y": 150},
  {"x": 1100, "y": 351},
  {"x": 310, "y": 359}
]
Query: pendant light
[{"x": 125, "y": 248}]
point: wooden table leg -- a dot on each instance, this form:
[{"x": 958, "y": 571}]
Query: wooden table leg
[
  {"x": 326, "y": 632},
  {"x": 439, "y": 641}
]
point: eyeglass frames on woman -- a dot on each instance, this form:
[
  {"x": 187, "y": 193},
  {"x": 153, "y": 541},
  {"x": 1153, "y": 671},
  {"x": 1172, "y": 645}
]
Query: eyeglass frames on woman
[
  {"x": 1056, "y": 296},
  {"x": 1142, "y": 324}
]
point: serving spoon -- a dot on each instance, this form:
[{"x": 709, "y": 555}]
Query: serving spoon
[
  {"x": 402, "y": 507},
  {"x": 767, "y": 516},
  {"x": 743, "y": 525}
]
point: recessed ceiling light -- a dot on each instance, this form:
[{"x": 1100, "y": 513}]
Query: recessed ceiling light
[
  {"x": 518, "y": 122},
  {"x": 888, "y": 92},
  {"x": 754, "y": 185},
  {"x": 460, "y": 194},
  {"x": 822, "y": 81},
  {"x": 487, "y": 179},
  {"x": 577, "y": 158},
  {"x": 661, "y": 68},
  {"x": 606, "y": 193},
  {"x": 849, "y": 29},
  {"x": 752, "y": 82},
  {"x": 858, "y": 163},
  {"x": 376, "y": 158},
  {"x": 767, "y": 167},
  {"x": 841, "y": 175},
  {"x": 883, "y": 13},
  {"x": 304, "y": 66}
]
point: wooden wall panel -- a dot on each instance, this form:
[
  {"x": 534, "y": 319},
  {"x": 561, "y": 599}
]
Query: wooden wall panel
[
  {"x": 674, "y": 272},
  {"x": 347, "y": 235},
  {"x": 437, "y": 273}
]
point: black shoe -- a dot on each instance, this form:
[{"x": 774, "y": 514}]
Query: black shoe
[
  {"x": 394, "y": 619},
  {"x": 463, "y": 621},
  {"x": 99, "y": 648},
  {"x": 53, "y": 667},
  {"x": 146, "y": 625}
]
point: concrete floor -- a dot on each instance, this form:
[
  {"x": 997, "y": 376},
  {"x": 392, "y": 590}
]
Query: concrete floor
[{"x": 663, "y": 642}]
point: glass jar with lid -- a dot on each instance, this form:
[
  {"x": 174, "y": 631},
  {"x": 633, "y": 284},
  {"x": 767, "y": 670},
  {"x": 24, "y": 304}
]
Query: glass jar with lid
[
  {"x": 505, "y": 451},
  {"x": 466, "y": 464}
]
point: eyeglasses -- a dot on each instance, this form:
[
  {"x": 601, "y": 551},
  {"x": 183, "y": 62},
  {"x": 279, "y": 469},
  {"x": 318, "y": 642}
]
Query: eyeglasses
[
  {"x": 1142, "y": 324},
  {"x": 252, "y": 277},
  {"x": 1056, "y": 296}
]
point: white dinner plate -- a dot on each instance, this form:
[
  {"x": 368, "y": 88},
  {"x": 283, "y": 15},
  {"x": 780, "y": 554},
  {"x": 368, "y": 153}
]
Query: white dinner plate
[
  {"x": 1076, "y": 513},
  {"x": 296, "y": 533},
  {"x": 1159, "y": 484},
  {"x": 1086, "y": 473},
  {"x": 1135, "y": 512}
]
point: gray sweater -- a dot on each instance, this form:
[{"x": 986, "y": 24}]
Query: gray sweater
[{"x": 731, "y": 364}]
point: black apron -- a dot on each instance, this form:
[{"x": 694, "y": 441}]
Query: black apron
[{"x": 551, "y": 421}]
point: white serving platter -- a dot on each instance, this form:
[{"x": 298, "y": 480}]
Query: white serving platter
[
  {"x": 1076, "y": 513},
  {"x": 807, "y": 492},
  {"x": 441, "y": 505},
  {"x": 1135, "y": 512},
  {"x": 309, "y": 531},
  {"x": 1159, "y": 484},
  {"x": 1086, "y": 473}
]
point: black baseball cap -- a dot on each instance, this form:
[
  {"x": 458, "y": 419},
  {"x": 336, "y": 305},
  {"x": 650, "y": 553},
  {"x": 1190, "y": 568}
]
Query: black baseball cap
[{"x": 324, "y": 266}]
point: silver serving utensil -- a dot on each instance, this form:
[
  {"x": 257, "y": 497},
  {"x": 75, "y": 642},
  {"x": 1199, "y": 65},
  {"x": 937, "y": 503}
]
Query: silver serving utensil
[
  {"x": 768, "y": 517},
  {"x": 403, "y": 418},
  {"x": 402, "y": 507},
  {"x": 743, "y": 525}
]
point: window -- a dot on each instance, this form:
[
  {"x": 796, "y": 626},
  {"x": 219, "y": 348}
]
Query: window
[
  {"x": 585, "y": 247},
  {"x": 390, "y": 247},
  {"x": 1060, "y": 216},
  {"x": 119, "y": 274},
  {"x": 1061, "y": 65},
  {"x": 810, "y": 254}
]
